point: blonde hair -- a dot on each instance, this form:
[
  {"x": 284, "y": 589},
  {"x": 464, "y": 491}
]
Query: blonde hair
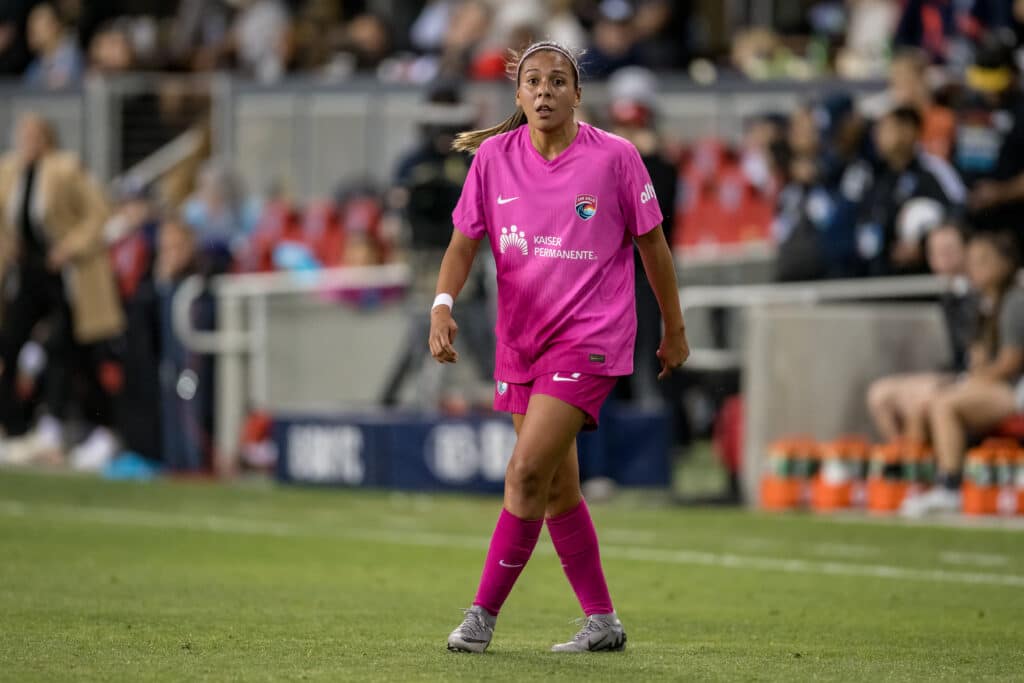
[{"x": 470, "y": 141}]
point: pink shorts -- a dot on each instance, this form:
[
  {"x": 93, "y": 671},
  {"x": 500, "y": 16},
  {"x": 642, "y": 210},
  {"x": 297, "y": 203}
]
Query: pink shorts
[{"x": 586, "y": 392}]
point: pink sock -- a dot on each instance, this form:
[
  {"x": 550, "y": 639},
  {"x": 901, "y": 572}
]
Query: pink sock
[
  {"x": 512, "y": 544},
  {"x": 575, "y": 542}
]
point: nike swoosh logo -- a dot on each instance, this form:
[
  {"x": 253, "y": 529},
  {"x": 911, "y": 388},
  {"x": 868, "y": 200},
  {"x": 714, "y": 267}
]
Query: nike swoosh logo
[
  {"x": 557, "y": 378},
  {"x": 503, "y": 563},
  {"x": 506, "y": 200}
]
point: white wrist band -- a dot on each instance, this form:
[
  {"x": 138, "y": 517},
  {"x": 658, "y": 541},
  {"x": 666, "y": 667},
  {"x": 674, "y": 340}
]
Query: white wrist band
[{"x": 444, "y": 300}]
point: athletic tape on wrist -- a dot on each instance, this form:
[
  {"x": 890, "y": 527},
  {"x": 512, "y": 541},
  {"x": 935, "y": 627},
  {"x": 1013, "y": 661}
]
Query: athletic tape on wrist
[{"x": 443, "y": 300}]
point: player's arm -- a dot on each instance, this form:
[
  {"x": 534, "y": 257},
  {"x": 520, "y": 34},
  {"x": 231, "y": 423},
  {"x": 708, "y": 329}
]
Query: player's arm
[
  {"x": 661, "y": 273},
  {"x": 458, "y": 259},
  {"x": 1007, "y": 364}
]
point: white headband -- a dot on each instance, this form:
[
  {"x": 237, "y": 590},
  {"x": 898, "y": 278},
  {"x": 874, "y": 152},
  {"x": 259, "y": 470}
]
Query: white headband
[{"x": 549, "y": 46}]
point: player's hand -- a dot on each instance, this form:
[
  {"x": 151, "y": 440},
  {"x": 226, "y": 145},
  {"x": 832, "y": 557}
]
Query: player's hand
[
  {"x": 442, "y": 335},
  {"x": 673, "y": 352}
]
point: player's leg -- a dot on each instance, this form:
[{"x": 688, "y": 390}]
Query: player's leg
[
  {"x": 575, "y": 540},
  {"x": 882, "y": 405},
  {"x": 545, "y": 433},
  {"x": 970, "y": 406},
  {"x": 915, "y": 400}
]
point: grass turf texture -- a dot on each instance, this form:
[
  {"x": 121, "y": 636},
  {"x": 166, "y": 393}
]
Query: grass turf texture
[{"x": 175, "y": 581}]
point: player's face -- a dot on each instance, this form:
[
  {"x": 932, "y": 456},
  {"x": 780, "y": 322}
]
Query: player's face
[{"x": 547, "y": 91}]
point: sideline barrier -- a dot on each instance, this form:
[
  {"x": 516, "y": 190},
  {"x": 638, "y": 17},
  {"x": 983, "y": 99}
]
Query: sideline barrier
[{"x": 244, "y": 353}]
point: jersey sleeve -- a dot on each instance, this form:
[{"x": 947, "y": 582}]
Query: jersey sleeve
[
  {"x": 636, "y": 194},
  {"x": 468, "y": 215}
]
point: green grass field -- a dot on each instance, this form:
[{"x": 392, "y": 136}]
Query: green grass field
[{"x": 185, "y": 581}]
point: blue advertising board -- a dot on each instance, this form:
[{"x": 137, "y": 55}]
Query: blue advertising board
[{"x": 421, "y": 452}]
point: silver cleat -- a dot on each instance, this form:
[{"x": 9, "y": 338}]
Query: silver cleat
[
  {"x": 600, "y": 633},
  {"x": 474, "y": 633}
]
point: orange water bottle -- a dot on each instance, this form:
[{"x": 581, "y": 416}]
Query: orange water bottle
[
  {"x": 780, "y": 488},
  {"x": 926, "y": 467},
  {"x": 841, "y": 460},
  {"x": 886, "y": 485},
  {"x": 913, "y": 455},
  {"x": 979, "y": 486},
  {"x": 1018, "y": 479},
  {"x": 1003, "y": 466},
  {"x": 859, "y": 453}
]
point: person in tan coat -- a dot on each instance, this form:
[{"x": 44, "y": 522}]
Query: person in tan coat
[{"x": 54, "y": 268}]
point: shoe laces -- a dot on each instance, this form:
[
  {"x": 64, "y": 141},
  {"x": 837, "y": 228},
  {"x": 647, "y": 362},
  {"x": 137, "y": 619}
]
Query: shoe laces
[
  {"x": 591, "y": 624},
  {"x": 474, "y": 624}
]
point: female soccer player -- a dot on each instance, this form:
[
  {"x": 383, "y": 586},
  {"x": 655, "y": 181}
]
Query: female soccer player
[{"x": 561, "y": 203}]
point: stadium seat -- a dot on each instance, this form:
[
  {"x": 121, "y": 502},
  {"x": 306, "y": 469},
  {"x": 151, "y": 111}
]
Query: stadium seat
[
  {"x": 279, "y": 222},
  {"x": 1011, "y": 428},
  {"x": 324, "y": 232}
]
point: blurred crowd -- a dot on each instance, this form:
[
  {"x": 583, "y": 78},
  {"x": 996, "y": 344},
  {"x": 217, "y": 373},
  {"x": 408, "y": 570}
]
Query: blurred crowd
[
  {"x": 851, "y": 184},
  {"x": 53, "y": 43}
]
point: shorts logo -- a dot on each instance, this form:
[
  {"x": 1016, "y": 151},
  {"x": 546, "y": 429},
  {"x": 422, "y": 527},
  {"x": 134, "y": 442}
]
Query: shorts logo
[
  {"x": 574, "y": 377},
  {"x": 511, "y": 238},
  {"x": 586, "y": 206},
  {"x": 648, "y": 194},
  {"x": 502, "y": 387}
]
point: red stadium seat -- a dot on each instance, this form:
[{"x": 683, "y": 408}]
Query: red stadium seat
[
  {"x": 325, "y": 233},
  {"x": 1011, "y": 428},
  {"x": 279, "y": 222}
]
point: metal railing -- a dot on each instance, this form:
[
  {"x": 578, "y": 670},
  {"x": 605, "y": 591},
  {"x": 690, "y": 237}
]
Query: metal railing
[
  {"x": 797, "y": 293},
  {"x": 241, "y": 338}
]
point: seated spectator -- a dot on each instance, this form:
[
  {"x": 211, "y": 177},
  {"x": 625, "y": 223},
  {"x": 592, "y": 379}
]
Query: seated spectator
[
  {"x": 368, "y": 39},
  {"x": 899, "y": 404},
  {"x": 262, "y": 38},
  {"x": 58, "y": 63},
  {"x": 908, "y": 86},
  {"x": 200, "y": 34},
  {"x": 990, "y": 140},
  {"x": 868, "y": 39},
  {"x": 904, "y": 173},
  {"x": 469, "y": 26},
  {"x": 218, "y": 210},
  {"x": 111, "y": 50},
  {"x": 613, "y": 39},
  {"x": 986, "y": 396},
  {"x": 804, "y": 216},
  {"x": 14, "y": 54}
]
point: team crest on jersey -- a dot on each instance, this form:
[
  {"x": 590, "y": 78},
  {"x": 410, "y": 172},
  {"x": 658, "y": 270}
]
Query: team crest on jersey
[{"x": 586, "y": 206}]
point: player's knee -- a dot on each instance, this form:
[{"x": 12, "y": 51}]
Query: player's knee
[
  {"x": 526, "y": 479},
  {"x": 942, "y": 406},
  {"x": 879, "y": 394}
]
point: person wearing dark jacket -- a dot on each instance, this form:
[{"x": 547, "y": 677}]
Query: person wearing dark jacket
[{"x": 889, "y": 240}]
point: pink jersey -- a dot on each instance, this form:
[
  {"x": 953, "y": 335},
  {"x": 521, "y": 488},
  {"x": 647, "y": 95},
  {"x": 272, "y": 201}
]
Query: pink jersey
[{"x": 562, "y": 236}]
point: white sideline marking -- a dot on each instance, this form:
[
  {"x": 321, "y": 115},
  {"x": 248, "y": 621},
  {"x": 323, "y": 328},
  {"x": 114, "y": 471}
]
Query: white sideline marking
[
  {"x": 219, "y": 524},
  {"x": 627, "y": 536},
  {"x": 845, "y": 550},
  {"x": 976, "y": 559}
]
